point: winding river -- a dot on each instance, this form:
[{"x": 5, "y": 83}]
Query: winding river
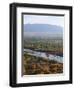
[{"x": 44, "y": 55}]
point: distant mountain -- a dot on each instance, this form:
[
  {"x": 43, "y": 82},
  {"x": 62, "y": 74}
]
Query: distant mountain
[{"x": 42, "y": 30}]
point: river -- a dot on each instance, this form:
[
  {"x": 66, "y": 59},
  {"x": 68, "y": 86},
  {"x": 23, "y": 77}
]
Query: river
[{"x": 44, "y": 55}]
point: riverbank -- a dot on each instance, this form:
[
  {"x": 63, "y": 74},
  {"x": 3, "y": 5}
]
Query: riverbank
[
  {"x": 44, "y": 55},
  {"x": 59, "y": 53},
  {"x": 35, "y": 65}
]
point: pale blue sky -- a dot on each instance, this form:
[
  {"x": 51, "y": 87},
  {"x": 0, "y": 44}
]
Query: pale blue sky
[{"x": 39, "y": 19}]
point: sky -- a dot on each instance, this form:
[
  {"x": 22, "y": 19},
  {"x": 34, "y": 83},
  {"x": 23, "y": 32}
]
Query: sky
[{"x": 39, "y": 19}]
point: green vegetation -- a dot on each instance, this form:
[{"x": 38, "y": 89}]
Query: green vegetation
[{"x": 54, "y": 44}]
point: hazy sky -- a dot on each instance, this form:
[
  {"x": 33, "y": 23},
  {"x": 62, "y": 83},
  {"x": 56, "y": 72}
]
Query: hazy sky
[{"x": 39, "y": 19}]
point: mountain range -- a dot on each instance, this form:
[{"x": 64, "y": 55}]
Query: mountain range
[{"x": 42, "y": 30}]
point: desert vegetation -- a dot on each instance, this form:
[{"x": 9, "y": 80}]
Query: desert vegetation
[{"x": 34, "y": 65}]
